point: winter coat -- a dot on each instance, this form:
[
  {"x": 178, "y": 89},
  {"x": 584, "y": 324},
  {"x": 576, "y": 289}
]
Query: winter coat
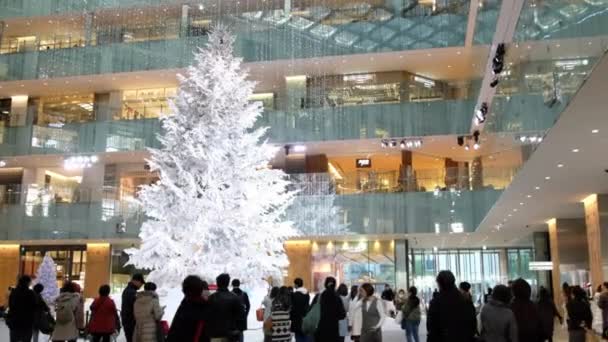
[
  {"x": 332, "y": 311},
  {"x": 227, "y": 310},
  {"x": 498, "y": 323},
  {"x": 190, "y": 320},
  {"x": 602, "y": 303},
  {"x": 244, "y": 299},
  {"x": 388, "y": 295},
  {"x": 411, "y": 309},
  {"x": 450, "y": 318},
  {"x": 103, "y": 316},
  {"x": 579, "y": 315},
  {"x": 147, "y": 312},
  {"x": 529, "y": 324},
  {"x": 300, "y": 302},
  {"x": 129, "y": 295},
  {"x": 355, "y": 316},
  {"x": 20, "y": 302},
  {"x": 41, "y": 309},
  {"x": 69, "y": 331},
  {"x": 548, "y": 312}
]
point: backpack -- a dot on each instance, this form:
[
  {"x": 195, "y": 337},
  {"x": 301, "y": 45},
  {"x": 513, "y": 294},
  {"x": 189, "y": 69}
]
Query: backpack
[{"x": 64, "y": 313}]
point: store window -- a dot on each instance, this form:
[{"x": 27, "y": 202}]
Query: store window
[
  {"x": 146, "y": 103},
  {"x": 354, "y": 89},
  {"x": 57, "y": 111},
  {"x": 354, "y": 263},
  {"x": 121, "y": 272},
  {"x": 70, "y": 260}
]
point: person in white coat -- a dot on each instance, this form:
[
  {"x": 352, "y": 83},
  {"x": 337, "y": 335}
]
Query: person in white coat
[{"x": 355, "y": 315}]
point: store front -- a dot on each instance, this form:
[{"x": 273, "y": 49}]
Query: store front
[{"x": 71, "y": 261}]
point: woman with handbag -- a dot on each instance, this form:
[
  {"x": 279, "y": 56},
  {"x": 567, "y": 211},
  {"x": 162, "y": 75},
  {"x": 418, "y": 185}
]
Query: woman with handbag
[
  {"x": 267, "y": 319},
  {"x": 280, "y": 321},
  {"x": 104, "y": 316},
  {"x": 411, "y": 315},
  {"x": 148, "y": 312}
]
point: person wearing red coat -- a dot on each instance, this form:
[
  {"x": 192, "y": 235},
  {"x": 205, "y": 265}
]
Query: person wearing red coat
[{"x": 103, "y": 316}]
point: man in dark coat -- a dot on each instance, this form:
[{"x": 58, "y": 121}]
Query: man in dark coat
[
  {"x": 388, "y": 293},
  {"x": 244, "y": 299},
  {"x": 332, "y": 311},
  {"x": 529, "y": 322},
  {"x": 449, "y": 317},
  {"x": 21, "y": 303},
  {"x": 189, "y": 323},
  {"x": 129, "y": 294},
  {"x": 300, "y": 300},
  {"x": 226, "y": 310}
]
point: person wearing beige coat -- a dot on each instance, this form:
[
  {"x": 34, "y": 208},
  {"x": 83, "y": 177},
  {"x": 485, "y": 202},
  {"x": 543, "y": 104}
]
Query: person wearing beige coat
[
  {"x": 147, "y": 312},
  {"x": 68, "y": 301}
]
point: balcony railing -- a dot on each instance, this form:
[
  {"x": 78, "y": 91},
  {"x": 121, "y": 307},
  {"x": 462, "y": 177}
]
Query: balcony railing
[
  {"x": 38, "y": 212},
  {"x": 315, "y": 124}
]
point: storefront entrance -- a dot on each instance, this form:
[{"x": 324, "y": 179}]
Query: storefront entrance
[{"x": 70, "y": 260}]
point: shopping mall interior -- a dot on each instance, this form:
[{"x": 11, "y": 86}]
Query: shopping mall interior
[{"x": 420, "y": 135}]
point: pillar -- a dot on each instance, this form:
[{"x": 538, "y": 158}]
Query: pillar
[
  {"x": 18, "y": 110},
  {"x": 183, "y": 27},
  {"x": 9, "y": 269},
  {"x": 316, "y": 163},
  {"x": 568, "y": 248},
  {"x": 503, "y": 266},
  {"x": 92, "y": 183},
  {"x": 299, "y": 254},
  {"x": 476, "y": 174},
  {"x": 542, "y": 253},
  {"x": 401, "y": 248},
  {"x": 408, "y": 181},
  {"x": 97, "y": 269},
  {"x": 451, "y": 172},
  {"x": 596, "y": 220}
]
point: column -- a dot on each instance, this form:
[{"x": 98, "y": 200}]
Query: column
[
  {"x": 476, "y": 174},
  {"x": 299, "y": 254},
  {"x": 408, "y": 181},
  {"x": 9, "y": 268},
  {"x": 401, "y": 264},
  {"x": 503, "y": 266},
  {"x": 183, "y": 27},
  {"x": 542, "y": 253},
  {"x": 451, "y": 172},
  {"x": 92, "y": 183},
  {"x": 596, "y": 219},
  {"x": 316, "y": 163},
  {"x": 568, "y": 248},
  {"x": 97, "y": 271}
]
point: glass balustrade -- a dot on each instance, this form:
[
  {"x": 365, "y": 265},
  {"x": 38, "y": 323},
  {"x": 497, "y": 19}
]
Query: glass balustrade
[
  {"x": 50, "y": 212},
  {"x": 558, "y": 19},
  {"x": 265, "y": 35},
  {"x": 315, "y": 124}
]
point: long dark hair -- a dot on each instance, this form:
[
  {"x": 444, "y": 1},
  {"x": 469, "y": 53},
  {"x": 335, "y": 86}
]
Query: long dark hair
[
  {"x": 354, "y": 292},
  {"x": 343, "y": 290}
]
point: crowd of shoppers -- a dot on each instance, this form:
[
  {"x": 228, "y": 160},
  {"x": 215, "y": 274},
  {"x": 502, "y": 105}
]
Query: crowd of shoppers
[{"x": 508, "y": 313}]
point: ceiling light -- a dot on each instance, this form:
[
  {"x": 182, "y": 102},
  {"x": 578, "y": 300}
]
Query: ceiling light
[
  {"x": 384, "y": 143},
  {"x": 466, "y": 147},
  {"x": 509, "y": 215},
  {"x": 521, "y": 203},
  {"x": 547, "y": 178},
  {"x": 560, "y": 165},
  {"x": 575, "y": 150},
  {"x": 476, "y": 146},
  {"x": 484, "y": 247},
  {"x": 403, "y": 144},
  {"x": 435, "y": 248},
  {"x": 2, "y": 163},
  {"x": 515, "y": 210},
  {"x": 79, "y": 162},
  {"x": 537, "y": 187},
  {"x": 298, "y": 148},
  {"x": 595, "y": 131}
]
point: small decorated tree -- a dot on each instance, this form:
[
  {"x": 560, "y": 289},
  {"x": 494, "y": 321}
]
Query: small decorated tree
[{"x": 47, "y": 276}]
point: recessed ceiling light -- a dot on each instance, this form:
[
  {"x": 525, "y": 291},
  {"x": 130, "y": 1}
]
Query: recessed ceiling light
[
  {"x": 595, "y": 131},
  {"x": 529, "y": 196},
  {"x": 537, "y": 188},
  {"x": 547, "y": 178},
  {"x": 560, "y": 165},
  {"x": 458, "y": 52},
  {"x": 449, "y": 66},
  {"x": 521, "y": 203},
  {"x": 509, "y": 215},
  {"x": 515, "y": 210},
  {"x": 428, "y": 55},
  {"x": 575, "y": 150}
]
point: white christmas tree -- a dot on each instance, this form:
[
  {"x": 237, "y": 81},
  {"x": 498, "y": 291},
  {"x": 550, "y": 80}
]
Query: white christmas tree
[
  {"x": 47, "y": 276},
  {"x": 217, "y": 207},
  {"x": 314, "y": 210}
]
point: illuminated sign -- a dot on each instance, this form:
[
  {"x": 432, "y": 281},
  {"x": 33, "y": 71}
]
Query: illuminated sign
[
  {"x": 364, "y": 163},
  {"x": 541, "y": 265}
]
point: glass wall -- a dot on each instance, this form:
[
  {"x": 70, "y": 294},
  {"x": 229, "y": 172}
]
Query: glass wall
[
  {"x": 482, "y": 268},
  {"x": 354, "y": 263}
]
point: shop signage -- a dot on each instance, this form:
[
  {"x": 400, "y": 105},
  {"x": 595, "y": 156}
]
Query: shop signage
[
  {"x": 364, "y": 163},
  {"x": 541, "y": 266}
]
